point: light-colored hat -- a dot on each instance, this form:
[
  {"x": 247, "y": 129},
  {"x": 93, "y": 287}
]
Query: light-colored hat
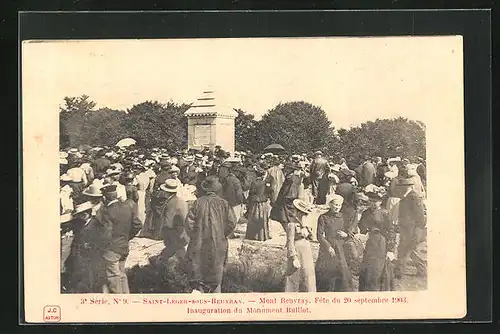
[
  {"x": 336, "y": 167},
  {"x": 302, "y": 206},
  {"x": 148, "y": 163},
  {"x": 198, "y": 156},
  {"x": 170, "y": 185},
  {"x": 109, "y": 154},
  {"x": 83, "y": 207},
  {"x": 63, "y": 161},
  {"x": 73, "y": 150},
  {"x": 390, "y": 174},
  {"x": 174, "y": 169},
  {"x": 76, "y": 174},
  {"x": 66, "y": 218},
  {"x": 232, "y": 160},
  {"x": 94, "y": 190},
  {"x": 111, "y": 172},
  {"x": 66, "y": 178},
  {"x": 337, "y": 199},
  {"x": 63, "y": 155},
  {"x": 189, "y": 158}
]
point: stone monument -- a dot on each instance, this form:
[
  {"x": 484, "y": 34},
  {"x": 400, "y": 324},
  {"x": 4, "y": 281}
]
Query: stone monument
[{"x": 210, "y": 123}]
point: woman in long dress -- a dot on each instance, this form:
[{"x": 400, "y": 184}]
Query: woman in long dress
[
  {"x": 259, "y": 196},
  {"x": 332, "y": 270},
  {"x": 376, "y": 272}
]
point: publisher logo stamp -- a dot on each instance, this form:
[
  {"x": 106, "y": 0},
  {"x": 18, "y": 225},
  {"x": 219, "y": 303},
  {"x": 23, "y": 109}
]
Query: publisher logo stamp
[{"x": 51, "y": 313}]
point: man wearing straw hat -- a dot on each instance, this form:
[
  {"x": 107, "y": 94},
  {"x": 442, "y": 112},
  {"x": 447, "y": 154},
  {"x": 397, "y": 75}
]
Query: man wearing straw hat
[
  {"x": 174, "y": 214},
  {"x": 209, "y": 222},
  {"x": 85, "y": 263}
]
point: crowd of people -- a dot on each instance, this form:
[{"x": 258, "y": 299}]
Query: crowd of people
[{"x": 193, "y": 200}]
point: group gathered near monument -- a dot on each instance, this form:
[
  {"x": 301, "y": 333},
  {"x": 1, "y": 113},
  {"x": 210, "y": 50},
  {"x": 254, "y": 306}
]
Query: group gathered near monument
[{"x": 367, "y": 222}]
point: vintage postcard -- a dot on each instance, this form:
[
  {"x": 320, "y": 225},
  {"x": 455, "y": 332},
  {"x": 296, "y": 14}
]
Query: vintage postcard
[{"x": 243, "y": 179}]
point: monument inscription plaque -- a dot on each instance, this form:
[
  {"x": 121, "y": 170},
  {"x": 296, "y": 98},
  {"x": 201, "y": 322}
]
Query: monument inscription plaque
[{"x": 201, "y": 135}]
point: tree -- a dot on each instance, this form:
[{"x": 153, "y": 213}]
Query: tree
[
  {"x": 298, "y": 126},
  {"x": 245, "y": 131},
  {"x": 384, "y": 138},
  {"x": 71, "y": 119},
  {"x": 154, "y": 124}
]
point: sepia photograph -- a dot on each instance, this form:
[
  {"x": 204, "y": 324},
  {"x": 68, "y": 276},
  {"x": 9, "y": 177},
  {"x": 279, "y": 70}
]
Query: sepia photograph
[{"x": 250, "y": 166}]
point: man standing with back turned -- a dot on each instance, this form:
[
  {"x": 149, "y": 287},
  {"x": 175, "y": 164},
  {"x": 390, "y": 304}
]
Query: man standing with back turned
[{"x": 121, "y": 223}]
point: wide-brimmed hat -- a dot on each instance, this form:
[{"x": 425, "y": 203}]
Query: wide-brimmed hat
[
  {"x": 94, "y": 190},
  {"x": 65, "y": 178},
  {"x": 233, "y": 160},
  {"x": 211, "y": 184},
  {"x": 198, "y": 156},
  {"x": 63, "y": 161},
  {"x": 66, "y": 218},
  {"x": 189, "y": 158},
  {"x": 337, "y": 199},
  {"x": 86, "y": 206},
  {"x": 302, "y": 206},
  {"x": 170, "y": 186}
]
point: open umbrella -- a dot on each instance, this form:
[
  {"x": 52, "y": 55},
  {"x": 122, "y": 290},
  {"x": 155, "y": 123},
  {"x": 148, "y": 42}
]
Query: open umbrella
[
  {"x": 126, "y": 142},
  {"x": 274, "y": 148}
]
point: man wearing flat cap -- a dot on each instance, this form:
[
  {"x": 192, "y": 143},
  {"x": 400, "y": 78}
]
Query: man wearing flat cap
[
  {"x": 412, "y": 229},
  {"x": 122, "y": 224}
]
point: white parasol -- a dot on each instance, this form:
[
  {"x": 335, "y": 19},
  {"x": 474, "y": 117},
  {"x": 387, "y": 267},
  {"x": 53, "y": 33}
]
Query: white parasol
[{"x": 126, "y": 142}]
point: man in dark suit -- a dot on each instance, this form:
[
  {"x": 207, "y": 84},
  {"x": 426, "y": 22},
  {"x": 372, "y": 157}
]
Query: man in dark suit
[
  {"x": 412, "y": 229},
  {"x": 122, "y": 224},
  {"x": 232, "y": 192}
]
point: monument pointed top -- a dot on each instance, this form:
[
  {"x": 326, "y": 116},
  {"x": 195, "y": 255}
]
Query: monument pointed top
[{"x": 208, "y": 105}]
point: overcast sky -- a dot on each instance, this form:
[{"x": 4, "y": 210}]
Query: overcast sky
[{"x": 352, "y": 79}]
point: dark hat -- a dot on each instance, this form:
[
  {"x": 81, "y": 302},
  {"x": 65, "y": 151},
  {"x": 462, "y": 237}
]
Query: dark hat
[
  {"x": 108, "y": 188},
  {"x": 374, "y": 195},
  {"x": 211, "y": 184},
  {"x": 348, "y": 172},
  {"x": 406, "y": 182}
]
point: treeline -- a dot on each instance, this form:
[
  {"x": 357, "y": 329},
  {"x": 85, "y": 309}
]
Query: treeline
[{"x": 299, "y": 126}]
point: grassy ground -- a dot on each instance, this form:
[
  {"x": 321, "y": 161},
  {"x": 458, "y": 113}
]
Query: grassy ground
[{"x": 252, "y": 266}]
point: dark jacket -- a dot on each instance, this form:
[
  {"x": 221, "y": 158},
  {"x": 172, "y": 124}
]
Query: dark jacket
[
  {"x": 189, "y": 175},
  {"x": 232, "y": 191},
  {"x": 283, "y": 208},
  {"x": 209, "y": 221},
  {"x": 260, "y": 190},
  {"x": 411, "y": 211},
  {"x": 122, "y": 224},
  {"x": 100, "y": 165},
  {"x": 85, "y": 264}
]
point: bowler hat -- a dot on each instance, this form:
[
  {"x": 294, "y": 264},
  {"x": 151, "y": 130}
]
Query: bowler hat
[{"x": 211, "y": 184}]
